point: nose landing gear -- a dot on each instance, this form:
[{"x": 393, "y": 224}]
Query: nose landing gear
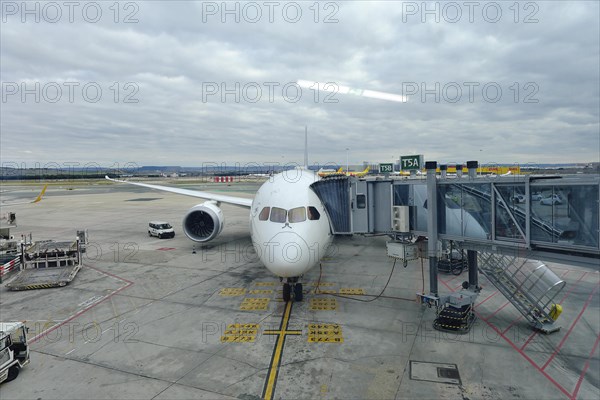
[{"x": 292, "y": 289}]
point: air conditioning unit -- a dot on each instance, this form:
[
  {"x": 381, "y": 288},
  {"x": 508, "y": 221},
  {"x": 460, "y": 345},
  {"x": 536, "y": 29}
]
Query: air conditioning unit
[{"x": 401, "y": 219}]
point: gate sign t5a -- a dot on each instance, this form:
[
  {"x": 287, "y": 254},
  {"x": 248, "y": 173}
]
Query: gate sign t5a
[{"x": 408, "y": 163}]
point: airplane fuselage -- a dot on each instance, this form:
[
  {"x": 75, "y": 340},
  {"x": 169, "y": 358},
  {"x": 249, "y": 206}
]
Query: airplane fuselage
[{"x": 288, "y": 224}]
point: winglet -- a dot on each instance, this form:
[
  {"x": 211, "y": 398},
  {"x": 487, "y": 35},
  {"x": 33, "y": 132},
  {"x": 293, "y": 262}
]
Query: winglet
[{"x": 39, "y": 198}]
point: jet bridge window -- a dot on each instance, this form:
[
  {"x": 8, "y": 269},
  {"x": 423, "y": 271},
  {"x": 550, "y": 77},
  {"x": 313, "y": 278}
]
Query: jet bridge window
[
  {"x": 278, "y": 215},
  {"x": 361, "y": 201},
  {"x": 297, "y": 214},
  {"x": 313, "y": 214},
  {"x": 264, "y": 214}
]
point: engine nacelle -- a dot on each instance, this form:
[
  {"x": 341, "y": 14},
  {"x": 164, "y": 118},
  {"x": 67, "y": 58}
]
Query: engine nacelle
[{"x": 203, "y": 222}]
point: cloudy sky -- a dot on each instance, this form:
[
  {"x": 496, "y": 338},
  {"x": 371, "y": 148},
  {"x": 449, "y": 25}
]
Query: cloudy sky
[{"x": 187, "y": 83}]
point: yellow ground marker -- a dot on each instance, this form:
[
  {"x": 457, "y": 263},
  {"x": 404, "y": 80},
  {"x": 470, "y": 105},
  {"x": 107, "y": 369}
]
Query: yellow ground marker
[
  {"x": 259, "y": 304},
  {"x": 260, "y": 291},
  {"x": 325, "y": 333},
  {"x": 240, "y": 333},
  {"x": 323, "y": 304},
  {"x": 232, "y": 292}
]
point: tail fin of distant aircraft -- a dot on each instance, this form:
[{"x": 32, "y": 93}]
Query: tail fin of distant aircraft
[
  {"x": 39, "y": 198},
  {"x": 341, "y": 170}
]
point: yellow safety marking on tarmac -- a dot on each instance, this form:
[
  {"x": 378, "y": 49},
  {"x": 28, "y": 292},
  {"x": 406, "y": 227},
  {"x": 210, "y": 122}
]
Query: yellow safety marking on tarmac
[
  {"x": 260, "y": 291},
  {"x": 41, "y": 286},
  {"x": 114, "y": 307},
  {"x": 322, "y": 284},
  {"x": 264, "y": 284},
  {"x": 324, "y": 390},
  {"x": 232, "y": 292},
  {"x": 259, "y": 304},
  {"x": 326, "y": 291},
  {"x": 323, "y": 304},
  {"x": 281, "y": 334},
  {"x": 240, "y": 333},
  {"x": 354, "y": 291},
  {"x": 325, "y": 333}
]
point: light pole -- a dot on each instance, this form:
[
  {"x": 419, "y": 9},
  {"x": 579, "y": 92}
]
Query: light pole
[{"x": 347, "y": 149}]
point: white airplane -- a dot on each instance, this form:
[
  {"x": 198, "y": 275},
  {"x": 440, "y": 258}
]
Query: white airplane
[{"x": 289, "y": 227}]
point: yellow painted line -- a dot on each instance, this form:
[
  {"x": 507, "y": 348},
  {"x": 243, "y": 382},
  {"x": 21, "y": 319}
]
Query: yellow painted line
[
  {"x": 277, "y": 352},
  {"x": 271, "y": 332}
]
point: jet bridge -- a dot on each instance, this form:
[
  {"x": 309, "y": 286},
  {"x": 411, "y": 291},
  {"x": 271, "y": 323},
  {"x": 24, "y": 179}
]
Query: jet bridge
[{"x": 499, "y": 220}]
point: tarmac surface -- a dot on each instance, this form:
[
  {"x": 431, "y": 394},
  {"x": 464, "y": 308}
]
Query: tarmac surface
[{"x": 150, "y": 319}]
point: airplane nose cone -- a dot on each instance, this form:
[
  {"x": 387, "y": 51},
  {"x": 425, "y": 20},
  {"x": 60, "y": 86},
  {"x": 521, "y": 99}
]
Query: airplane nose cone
[{"x": 286, "y": 254}]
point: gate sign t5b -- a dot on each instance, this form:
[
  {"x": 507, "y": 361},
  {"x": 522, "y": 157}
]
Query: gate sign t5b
[
  {"x": 408, "y": 163},
  {"x": 386, "y": 168}
]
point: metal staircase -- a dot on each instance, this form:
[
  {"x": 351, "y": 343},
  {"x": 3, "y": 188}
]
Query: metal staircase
[{"x": 529, "y": 285}]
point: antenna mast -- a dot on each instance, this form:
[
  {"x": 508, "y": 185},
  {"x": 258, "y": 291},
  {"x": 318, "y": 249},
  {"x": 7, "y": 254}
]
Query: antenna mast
[{"x": 306, "y": 147}]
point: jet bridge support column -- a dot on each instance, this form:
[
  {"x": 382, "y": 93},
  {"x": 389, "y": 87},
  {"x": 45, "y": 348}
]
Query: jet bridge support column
[
  {"x": 455, "y": 310},
  {"x": 432, "y": 228},
  {"x": 473, "y": 273},
  {"x": 472, "y": 254}
]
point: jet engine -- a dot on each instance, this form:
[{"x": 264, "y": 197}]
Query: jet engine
[{"x": 203, "y": 222}]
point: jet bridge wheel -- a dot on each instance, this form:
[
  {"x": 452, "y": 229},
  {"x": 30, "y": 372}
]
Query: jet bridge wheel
[{"x": 287, "y": 292}]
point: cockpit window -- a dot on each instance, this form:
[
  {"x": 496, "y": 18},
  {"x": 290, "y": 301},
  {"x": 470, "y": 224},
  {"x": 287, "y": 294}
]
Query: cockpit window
[
  {"x": 278, "y": 215},
  {"x": 313, "y": 214},
  {"x": 297, "y": 214},
  {"x": 264, "y": 214}
]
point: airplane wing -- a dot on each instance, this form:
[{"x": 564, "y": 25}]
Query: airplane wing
[
  {"x": 236, "y": 201},
  {"x": 36, "y": 200}
]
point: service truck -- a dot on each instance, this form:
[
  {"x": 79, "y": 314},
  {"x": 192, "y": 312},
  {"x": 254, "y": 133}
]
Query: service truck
[{"x": 14, "y": 350}]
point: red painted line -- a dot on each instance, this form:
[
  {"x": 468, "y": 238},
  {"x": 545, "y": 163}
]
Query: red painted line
[
  {"x": 562, "y": 389},
  {"x": 526, "y": 357},
  {"x": 496, "y": 312},
  {"x": 571, "y": 328},
  {"x": 79, "y": 313},
  {"x": 450, "y": 280},
  {"x": 585, "y": 368},
  {"x": 487, "y": 298},
  {"x": 512, "y": 323},
  {"x": 529, "y": 340}
]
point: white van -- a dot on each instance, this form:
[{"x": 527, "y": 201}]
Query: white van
[{"x": 160, "y": 229}]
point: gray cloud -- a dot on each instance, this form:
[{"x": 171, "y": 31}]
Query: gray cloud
[{"x": 171, "y": 54}]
